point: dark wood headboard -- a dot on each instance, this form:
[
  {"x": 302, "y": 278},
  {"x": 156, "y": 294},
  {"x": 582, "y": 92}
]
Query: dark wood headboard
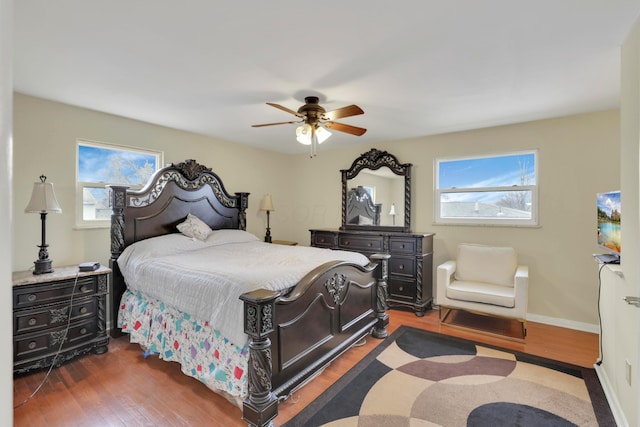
[{"x": 170, "y": 195}]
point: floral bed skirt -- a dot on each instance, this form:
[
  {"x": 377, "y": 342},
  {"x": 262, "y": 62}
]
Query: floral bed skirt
[{"x": 176, "y": 336}]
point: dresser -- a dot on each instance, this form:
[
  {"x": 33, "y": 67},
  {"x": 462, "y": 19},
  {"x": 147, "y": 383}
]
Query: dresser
[
  {"x": 45, "y": 305},
  {"x": 410, "y": 265}
]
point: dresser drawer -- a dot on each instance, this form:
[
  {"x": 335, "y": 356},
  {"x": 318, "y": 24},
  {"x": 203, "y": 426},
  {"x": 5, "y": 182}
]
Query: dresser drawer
[
  {"x": 27, "y": 296},
  {"x": 32, "y": 320},
  {"x": 38, "y": 344},
  {"x": 403, "y": 266},
  {"x": 353, "y": 242},
  {"x": 402, "y": 290},
  {"x": 402, "y": 246},
  {"x": 323, "y": 239}
]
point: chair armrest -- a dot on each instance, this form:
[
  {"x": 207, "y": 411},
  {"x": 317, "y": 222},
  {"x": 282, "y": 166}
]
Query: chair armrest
[
  {"x": 444, "y": 276},
  {"x": 521, "y": 285}
]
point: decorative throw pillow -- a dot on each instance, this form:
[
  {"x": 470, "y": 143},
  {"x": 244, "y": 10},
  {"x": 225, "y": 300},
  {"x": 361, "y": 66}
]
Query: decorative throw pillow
[{"x": 195, "y": 228}]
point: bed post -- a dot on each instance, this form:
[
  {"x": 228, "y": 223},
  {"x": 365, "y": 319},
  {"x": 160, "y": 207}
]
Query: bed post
[
  {"x": 118, "y": 201},
  {"x": 382, "y": 274},
  {"x": 243, "y": 204},
  {"x": 261, "y": 406}
]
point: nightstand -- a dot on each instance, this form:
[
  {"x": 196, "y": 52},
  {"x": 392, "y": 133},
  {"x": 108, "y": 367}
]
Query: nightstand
[
  {"x": 284, "y": 242},
  {"x": 41, "y": 306}
]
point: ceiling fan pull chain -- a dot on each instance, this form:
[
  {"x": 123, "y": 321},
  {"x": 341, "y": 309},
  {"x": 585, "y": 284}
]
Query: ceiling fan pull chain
[{"x": 314, "y": 142}]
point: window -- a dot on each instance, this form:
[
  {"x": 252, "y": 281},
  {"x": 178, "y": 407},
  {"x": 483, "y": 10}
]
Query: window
[
  {"x": 99, "y": 165},
  {"x": 492, "y": 190}
]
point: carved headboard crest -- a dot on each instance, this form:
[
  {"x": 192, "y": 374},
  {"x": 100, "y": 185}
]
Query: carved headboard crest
[{"x": 190, "y": 169}]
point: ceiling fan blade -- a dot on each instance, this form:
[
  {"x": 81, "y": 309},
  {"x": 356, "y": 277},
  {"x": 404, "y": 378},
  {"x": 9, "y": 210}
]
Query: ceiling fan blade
[
  {"x": 341, "y": 127},
  {"x": 288, "y": 110},
  {"x": 348, "y": 111},
  {"x": 273, "y": 124}
]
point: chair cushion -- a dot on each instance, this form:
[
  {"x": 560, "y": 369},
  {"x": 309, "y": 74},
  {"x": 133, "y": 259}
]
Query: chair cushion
[
  {"x": 482, "y": 292},
  {"x": 487, "y": 264}
]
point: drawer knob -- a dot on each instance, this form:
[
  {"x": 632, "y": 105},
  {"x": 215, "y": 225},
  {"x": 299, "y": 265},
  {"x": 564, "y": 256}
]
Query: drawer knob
[
  {"x": 401, "y": 288},
  {"x": 346, "y": 243},
  {"x": 401, "y": 266},
  {"x": 83, "y": 310},
  {"x": 402, "y": 246},
  {"x": 83, "y": 288},
  {"x": 83, "y": 331},
  {"x": 32, "y": 322},
  {"x": 31, "y": 298},
  {"x": 370, "y": 244},
  {"x": 32, "y": 345}
]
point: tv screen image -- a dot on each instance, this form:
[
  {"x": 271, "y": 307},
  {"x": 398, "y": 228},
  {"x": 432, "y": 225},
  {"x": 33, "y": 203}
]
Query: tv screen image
[{"x": 609, "y": 216}]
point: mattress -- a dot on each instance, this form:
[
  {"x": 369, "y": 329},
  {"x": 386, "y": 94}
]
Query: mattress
[{"x": 205, "y": 279}]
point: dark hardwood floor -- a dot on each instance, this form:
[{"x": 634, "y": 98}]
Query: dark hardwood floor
[{"x": 121, "y": 388}]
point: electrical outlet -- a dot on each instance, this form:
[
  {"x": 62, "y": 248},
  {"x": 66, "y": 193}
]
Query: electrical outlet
[{"x": 627, "y": 371}]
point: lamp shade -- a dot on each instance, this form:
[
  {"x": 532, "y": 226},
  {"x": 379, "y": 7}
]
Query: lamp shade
[
  {"x": 322, "y": 134},
  {"x": 43, "y": 198},
  {"x": 303, "y": 134},
  {"x": 267, "y": 203},
  {"x": 392, "y": 211}
]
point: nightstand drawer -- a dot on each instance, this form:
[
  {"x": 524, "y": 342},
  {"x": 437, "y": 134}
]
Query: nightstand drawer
[
  {"x": 403, "y": 266},
  {"x": 38, "y": 344},
  {"x": 402, "y": 246},
  {"x": 27, "y": 296},
  {"x": 352, "y": 242},
  {"x": 33, "y": 320}
]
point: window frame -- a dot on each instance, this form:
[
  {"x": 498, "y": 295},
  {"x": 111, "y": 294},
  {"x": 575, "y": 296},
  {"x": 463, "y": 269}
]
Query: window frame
[
  {"x": 81, "y": 185},
  {"x": 488, "y": 221}
]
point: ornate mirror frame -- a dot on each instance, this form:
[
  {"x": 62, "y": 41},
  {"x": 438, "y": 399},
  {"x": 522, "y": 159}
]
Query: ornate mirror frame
[{"x": 375, "y": 159}]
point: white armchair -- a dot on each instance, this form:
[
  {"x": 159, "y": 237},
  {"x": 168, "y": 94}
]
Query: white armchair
[{"x": 486, "y": 280}]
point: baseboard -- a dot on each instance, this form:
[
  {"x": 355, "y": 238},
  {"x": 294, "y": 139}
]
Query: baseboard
[
  {"x": 563, "y": 323},
  {"x": 612, "y": 399}
]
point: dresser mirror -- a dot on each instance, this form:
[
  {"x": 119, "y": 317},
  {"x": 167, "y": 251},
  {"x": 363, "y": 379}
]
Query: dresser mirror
[{"x": 376, "y": 193}]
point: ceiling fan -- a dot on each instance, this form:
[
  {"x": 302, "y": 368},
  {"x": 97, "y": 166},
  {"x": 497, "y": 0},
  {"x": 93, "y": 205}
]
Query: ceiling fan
[{"x": 316, "y": 120}]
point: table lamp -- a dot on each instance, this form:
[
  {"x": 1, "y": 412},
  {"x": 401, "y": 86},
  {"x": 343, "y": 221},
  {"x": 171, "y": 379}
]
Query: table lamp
[
  {"x": 267, "y": 205},
  {"x": 43, "y": 200}
]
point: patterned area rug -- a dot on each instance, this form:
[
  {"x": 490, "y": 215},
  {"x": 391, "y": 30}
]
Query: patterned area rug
[{"x": 419, "y": 378}]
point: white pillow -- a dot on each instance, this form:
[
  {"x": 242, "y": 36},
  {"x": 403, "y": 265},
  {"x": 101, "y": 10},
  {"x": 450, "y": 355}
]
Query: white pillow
[
  {"x": 154, "y": 247},
  {"x": 223, "y": 236},
  {"x": 195, "y": 228}
]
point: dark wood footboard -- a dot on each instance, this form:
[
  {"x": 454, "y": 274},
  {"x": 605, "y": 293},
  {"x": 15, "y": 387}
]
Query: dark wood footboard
[{"x": 295, "y": 335}]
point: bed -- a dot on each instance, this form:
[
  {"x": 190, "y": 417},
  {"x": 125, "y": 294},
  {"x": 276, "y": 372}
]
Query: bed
[{"x": 278, "y": 314}]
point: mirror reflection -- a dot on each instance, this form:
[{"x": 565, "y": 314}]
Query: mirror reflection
[{"x": 376, "y": 197}]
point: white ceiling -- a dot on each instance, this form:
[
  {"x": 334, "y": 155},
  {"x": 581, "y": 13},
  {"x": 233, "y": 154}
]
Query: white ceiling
[{"x": 416, "y": 67}]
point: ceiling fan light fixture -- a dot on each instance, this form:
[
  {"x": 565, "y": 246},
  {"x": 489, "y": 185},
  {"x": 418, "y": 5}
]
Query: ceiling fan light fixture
[
  {"x": 322, "y": 134},
  {"x": 303, "y": 134}
]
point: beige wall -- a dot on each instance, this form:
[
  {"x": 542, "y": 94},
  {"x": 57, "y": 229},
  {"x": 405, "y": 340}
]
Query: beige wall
[
  {"x": 45, "y": 136},
  {"x": 579, "y": 156},
  {"x": 6, "y": 319}
]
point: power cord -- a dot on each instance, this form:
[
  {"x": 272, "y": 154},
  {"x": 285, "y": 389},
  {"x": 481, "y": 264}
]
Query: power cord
[
  {"x": 64, "y": 338},
  {"x": 601, "y": 358}
]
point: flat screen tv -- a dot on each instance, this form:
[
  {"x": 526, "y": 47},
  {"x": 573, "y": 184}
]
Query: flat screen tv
[{"x": 609, "y": 214}]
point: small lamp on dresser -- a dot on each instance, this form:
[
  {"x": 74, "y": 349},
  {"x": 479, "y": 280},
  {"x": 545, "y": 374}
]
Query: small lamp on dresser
[
  {"x": 267, "y": 205},
  {"x": 43, "y": 200},
  {"x": 392, "y": 212}
]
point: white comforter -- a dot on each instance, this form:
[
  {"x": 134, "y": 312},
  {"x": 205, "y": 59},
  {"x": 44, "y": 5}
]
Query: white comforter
[{"x": 206, "y": 278}]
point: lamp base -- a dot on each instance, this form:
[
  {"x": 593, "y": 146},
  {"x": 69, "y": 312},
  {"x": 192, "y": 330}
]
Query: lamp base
[{"x": 43, "y": 266}]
